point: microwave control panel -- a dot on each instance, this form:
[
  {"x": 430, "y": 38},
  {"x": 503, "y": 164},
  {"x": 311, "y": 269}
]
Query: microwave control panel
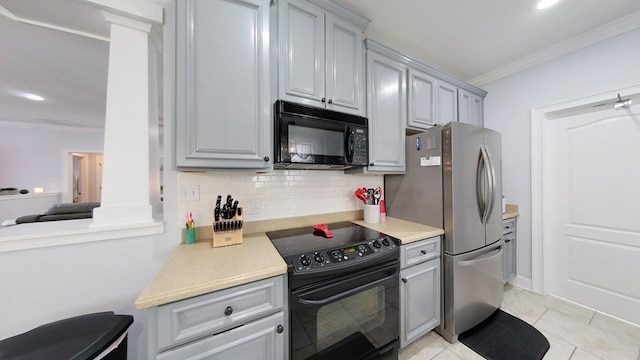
[{"x": 360, "y": 147}]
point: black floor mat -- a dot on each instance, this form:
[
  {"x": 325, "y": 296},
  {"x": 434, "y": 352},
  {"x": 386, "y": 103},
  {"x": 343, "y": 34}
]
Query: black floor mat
[{"x": 505, "y": 337}]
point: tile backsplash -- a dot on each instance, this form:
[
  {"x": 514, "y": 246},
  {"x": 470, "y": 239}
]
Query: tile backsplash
[{"x": 279, "y": 194}]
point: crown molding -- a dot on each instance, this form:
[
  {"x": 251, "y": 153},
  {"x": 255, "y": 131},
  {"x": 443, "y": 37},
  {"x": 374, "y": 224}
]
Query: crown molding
[{"x": 604, "y": 32}]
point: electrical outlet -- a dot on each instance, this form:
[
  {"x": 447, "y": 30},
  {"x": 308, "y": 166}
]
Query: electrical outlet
[
  {"x": 190, "y": 193},
  {"x": 255, "y": 207}
]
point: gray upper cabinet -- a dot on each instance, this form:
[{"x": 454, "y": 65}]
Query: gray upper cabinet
[
  {"x": 447, "y": 95},
  {"x": 470, "y": 108},
  {"x": 422, "y": 100},
  {"x": 387, "y": 111},
  {"x": 321, "y": 60},
  {"x": 222, "y": 85}
]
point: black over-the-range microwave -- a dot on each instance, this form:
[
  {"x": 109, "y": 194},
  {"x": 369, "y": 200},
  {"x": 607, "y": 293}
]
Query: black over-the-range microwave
[{"x": 312, "y": 138}]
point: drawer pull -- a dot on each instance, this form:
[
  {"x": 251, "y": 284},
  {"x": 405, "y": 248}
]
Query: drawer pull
[
  {"x": 279, "y": 329},
  {"x": 228, "y": 311},
  {"x": 423, "y": 252},
  {"x": 404, "y": 280}
]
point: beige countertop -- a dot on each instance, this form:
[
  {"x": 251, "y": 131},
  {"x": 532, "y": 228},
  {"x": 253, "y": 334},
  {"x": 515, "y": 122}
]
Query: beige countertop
[
  {"x": 512, "y": 211},
  {"x": 406, "y": 231},
  {"x": 198, "y": 269}
]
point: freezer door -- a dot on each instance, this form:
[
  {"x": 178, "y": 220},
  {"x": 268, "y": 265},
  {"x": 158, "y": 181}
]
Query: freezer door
[
  {"x": 473, "y": 288},
  {"x": 493, "y": 150},
  {"x": 463, "y": 221}
]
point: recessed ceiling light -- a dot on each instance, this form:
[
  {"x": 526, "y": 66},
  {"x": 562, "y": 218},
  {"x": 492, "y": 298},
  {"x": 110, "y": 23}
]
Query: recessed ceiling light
[
  {"x": 32, "y": 97},
  {"x": 543, "y": 4},
  {"x": 25, "y": 95}
]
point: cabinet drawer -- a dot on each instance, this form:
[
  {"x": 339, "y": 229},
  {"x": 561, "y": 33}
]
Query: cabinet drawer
[
  {"x": 207, "y": 314},
  {"x": 508, "y": 226},
  {"x": 419, "y": 251},
  {"x": 509, "y": 237},
  {"x": 262, "y": 339}
]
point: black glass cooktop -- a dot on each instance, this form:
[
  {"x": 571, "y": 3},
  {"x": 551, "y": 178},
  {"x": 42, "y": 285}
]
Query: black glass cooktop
[{"x": 303, "y": 240}]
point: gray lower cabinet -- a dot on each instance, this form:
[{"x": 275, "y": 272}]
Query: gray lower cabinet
[
  {"x": 223, "y": 108},
  {"x": 420, "y": 270},
  {"x": 509, "y": 257},
  {"x": 243, "y": 322}
]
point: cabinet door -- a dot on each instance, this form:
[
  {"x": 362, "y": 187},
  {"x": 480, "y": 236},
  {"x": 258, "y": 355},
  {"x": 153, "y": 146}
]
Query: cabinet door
[
  {"x": 222, "y": 84},
  {"x": 301, "y": 63},
  {"x": 470, "y": 108},
  {"x": 419, "y": 300},
  {"x": 447, "y": 98},
  {"x": 344, "y": 66},
  {"x": 422, "y": 100},
  {"x": 509, "y": 257},
  {"x": 386, "y": 109},
  {"x": 262, "y": 339}
]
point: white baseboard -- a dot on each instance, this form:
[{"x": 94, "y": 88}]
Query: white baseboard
[{"x": 521, "y": 282}]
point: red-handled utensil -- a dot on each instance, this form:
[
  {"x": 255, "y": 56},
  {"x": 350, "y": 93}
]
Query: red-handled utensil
[
  {"x": 361, "y": 194},
  {"x": 324, "y": 229}
]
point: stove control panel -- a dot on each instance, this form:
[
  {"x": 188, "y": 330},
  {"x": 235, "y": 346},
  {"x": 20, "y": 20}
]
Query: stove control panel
[{"x": 319, "y": 260}]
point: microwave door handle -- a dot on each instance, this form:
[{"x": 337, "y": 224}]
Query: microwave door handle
[
  {"x": 348, "y": 144},
  {"x": 346, "y": 293}
]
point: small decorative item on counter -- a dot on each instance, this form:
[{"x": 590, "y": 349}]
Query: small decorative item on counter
[
  {"x": 227, "y": 222},
  {"x": 190, "y": 231},
  {"x": 383, "y": 211}
]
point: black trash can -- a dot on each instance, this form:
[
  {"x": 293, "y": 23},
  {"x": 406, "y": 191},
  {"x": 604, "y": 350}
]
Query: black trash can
[{"x": 79, "y": 338}]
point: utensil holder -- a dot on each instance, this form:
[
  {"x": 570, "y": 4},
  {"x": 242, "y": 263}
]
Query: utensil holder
[
  {"x": 228, "y": 231},
  {"x": 372, "y": 214}
]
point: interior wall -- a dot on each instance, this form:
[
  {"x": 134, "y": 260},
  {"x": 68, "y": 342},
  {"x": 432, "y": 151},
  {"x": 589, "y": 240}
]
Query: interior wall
[
  {"x": 48, "y": 284},
  {"x": 36, "y": 156},
  {"x": 607, "y": 66}
]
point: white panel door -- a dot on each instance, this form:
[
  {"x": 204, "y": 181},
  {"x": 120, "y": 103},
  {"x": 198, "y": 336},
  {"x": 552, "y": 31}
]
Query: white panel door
[{"x": 593, "y": 208}]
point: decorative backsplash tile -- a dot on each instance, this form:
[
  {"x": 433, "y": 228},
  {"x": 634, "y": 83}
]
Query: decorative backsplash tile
[{"x": 282, "y": 193}]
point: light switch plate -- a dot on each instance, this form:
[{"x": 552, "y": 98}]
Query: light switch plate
[{"x": 190, "y": 193}]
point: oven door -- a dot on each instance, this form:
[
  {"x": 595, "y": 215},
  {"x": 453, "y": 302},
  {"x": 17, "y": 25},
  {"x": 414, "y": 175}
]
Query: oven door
[{"x": 351, "y": 317}]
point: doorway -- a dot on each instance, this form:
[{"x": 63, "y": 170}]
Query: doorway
[
  {"x": 85, "y": 177},
  {"x": 586, "y": 237}
]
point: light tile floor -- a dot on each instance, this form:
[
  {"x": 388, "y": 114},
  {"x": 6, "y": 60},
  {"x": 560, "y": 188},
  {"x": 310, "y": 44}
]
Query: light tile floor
[{"x": 574, "y": 332}]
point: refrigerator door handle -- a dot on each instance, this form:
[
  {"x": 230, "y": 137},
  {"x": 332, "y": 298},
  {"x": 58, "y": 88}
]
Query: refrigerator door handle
[
  {"x": 491, "y": 177},
  {"x": 494, "y": 254},
  {"x": 479, "y": 188},
  {"x": 487, "y": 194}
]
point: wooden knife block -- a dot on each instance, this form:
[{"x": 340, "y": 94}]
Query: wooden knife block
[{"x": 224, "y": 234}]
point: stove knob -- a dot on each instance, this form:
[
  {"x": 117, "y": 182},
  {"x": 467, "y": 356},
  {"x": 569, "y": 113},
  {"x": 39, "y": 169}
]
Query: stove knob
[
  {"x": 304, "y": 260},
  {"x": 385, "y": 241},
  {"x": 318, "y": 257},
  {"x": 376, "y": 244}
]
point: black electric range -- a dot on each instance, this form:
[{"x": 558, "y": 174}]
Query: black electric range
[
  {"x": 343, "y": 292},
  {"x": 308, "y": 251}
]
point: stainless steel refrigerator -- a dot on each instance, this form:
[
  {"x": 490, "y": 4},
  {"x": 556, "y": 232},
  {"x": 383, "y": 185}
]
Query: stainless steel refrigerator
[{"x": 453, "y": 181}]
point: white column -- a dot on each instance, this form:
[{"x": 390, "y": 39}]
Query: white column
[{"x": 126, "y": 183}]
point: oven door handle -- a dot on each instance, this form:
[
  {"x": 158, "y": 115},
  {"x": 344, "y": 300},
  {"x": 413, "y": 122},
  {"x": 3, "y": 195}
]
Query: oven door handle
[{"x": 346, "y": 293}]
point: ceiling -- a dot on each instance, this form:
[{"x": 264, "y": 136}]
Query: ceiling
[{"x": 59, "y": 48}]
